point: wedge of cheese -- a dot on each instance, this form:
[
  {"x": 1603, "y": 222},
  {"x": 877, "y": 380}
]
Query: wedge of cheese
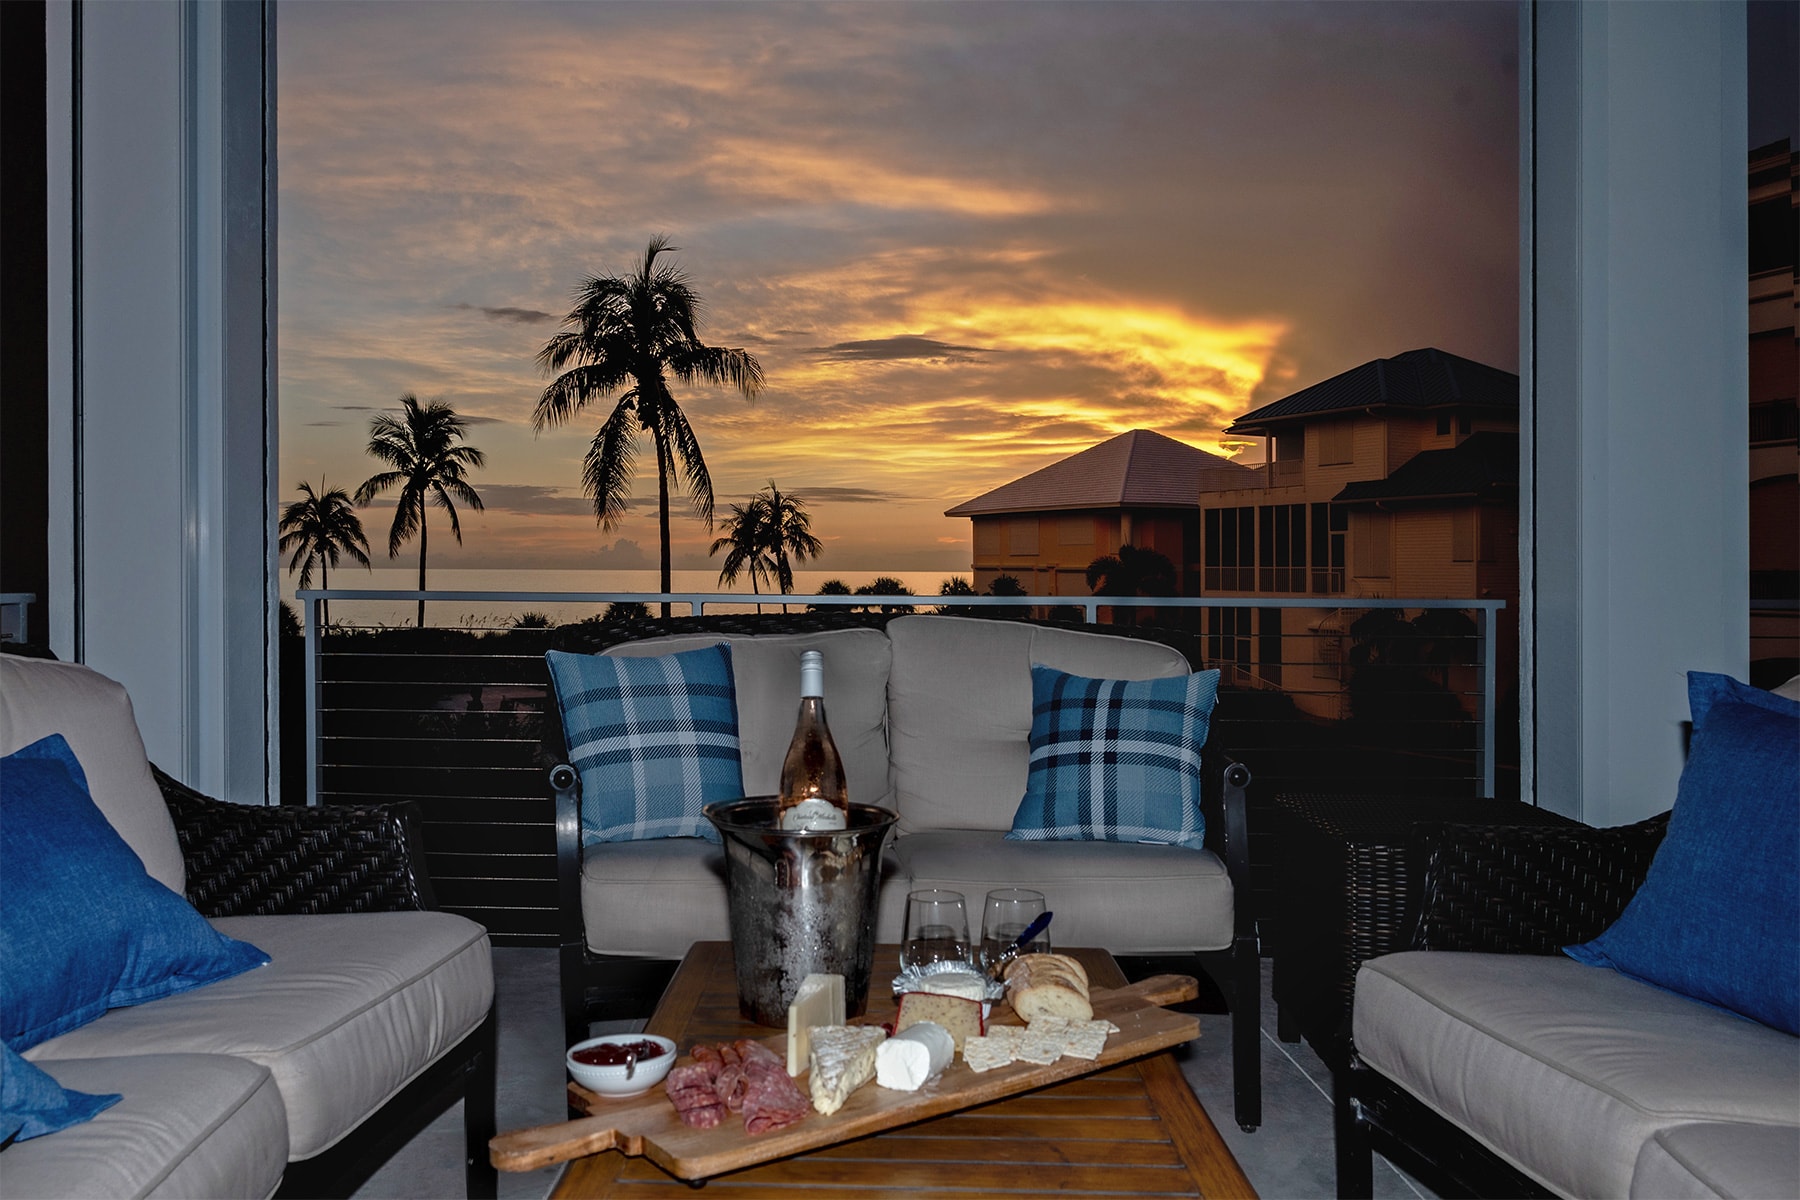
[
  {"x": 820, "y": 1001},
  {"x": 842, "y": 1059},
  {"x": 961, "y": 1017}
]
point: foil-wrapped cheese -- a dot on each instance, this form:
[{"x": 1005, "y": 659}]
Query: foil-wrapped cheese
[{"x": 907, "y": 1060}]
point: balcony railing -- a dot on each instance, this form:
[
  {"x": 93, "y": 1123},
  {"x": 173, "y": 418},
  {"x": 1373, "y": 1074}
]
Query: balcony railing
[{"x": 1359, "y": 694}]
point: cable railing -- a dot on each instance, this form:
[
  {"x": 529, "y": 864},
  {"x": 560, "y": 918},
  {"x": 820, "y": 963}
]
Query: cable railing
[{"x": 1335, "y": 694}]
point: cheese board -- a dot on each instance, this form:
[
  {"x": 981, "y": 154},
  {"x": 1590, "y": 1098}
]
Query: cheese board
[{"x": 648, "y": 1126}]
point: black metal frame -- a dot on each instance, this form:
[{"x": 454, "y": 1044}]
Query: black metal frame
[
  {"x": 250, "y": 860},
  {"x": 613, "y": 987},
  {"x": 1491, "y": 889}
]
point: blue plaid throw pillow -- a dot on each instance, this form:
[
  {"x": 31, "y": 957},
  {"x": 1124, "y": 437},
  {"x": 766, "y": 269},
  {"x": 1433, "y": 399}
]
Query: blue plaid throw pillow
[
  {"x": 653, "y": 739},
  {"x": 1116, "y": 760}
]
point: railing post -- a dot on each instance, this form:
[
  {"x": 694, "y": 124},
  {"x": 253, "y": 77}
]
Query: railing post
[
  {"x": 313, "y": 757},
  {"x": 1484, "y": 629}
]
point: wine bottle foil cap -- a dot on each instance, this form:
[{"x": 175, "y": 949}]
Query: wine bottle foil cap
[{"x": 812, "y": 673}]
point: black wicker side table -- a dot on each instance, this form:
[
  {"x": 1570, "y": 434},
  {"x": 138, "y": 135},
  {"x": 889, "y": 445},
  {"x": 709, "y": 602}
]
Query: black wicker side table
[{"x": 1343, "y": 883}]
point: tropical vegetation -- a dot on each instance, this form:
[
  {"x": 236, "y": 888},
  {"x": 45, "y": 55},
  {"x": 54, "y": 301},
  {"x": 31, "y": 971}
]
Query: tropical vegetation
[
  {"x": 319, "y": 528},
  {"x": 761, "y": 534},
  {"x": 1133, "y": 571},
  {"x": 428, "y": 465},
  {"x": 626, "y": 338}
]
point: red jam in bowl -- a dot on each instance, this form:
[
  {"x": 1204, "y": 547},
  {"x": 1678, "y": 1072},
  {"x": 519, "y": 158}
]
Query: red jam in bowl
[{"x": 613, "y": 1054}]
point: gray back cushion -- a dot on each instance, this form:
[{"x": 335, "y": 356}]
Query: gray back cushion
[
  {"x": 93, "y": 714},
  {"x": 959, "y": 709},
  {"x": 766, "y": 673}
]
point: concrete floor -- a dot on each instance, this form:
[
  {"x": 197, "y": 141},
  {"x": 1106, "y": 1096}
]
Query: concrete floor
[{"x": 1288, "y": 1158}]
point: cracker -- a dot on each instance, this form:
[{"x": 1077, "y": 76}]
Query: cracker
[{"x": 986, "y": 1053}]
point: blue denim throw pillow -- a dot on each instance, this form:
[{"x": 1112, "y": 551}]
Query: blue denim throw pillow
[
  {"x": 33, "y": 1104},
  {"x": 83, "y": 927},
  {"x": 1116, "y": 760},
  {"x": 654, "y": 739},
  {"x": 1718, "y": 917}
]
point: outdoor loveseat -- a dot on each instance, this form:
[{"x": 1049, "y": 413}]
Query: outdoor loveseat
[
  {"x": 932, "y": 715},
  {"x": 298, "y": 1077},
  {"x": 1488, "y": 1062}
]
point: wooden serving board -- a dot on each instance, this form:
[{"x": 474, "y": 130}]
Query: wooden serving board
[{"x": 648, "y": 1126}]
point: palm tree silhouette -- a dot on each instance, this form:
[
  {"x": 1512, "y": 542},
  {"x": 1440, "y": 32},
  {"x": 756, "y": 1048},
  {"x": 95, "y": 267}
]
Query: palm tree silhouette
[
  {"x": 745, "y": 542},
  {"x": 627, "y": 336},
  {"x": 318, "y": 528},
  {"x": 428, "y": 465},
  {"x": 762, "y": 533},
  {"x": 1133, "y": 571}
]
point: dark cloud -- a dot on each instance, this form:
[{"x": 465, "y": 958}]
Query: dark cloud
[
  {"x": 845, "y": 495},
  {"x": 469, "y": 420},
  {"x": 623, "y": 555},
  {"x": 512, "y": 316},
  {"x": 901, "y": 346},
  {"x": 533, "y": 499}
]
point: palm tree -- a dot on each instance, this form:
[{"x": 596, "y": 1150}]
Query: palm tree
[
  {"x": 787, "y": 529},
  {"x": 428, "y": 466},
  {"x": 1132, "y": 572},
  {"x": 745, "y": 540},
  {"x": 626, "y": 336},
  {"x": 318, "y": 528}
]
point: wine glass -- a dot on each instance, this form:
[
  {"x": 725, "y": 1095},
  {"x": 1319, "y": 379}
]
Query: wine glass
[
  {"x": 1007, "y": 912},
  {"x": 937, "y": 928}
]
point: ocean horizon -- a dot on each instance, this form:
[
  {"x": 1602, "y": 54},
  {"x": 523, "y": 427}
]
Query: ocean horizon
[{"x": 500, "y": 614}]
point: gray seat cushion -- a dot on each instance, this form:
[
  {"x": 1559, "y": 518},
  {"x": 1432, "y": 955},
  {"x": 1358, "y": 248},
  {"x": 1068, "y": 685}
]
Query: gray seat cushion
[
  {"x": 349, "y": 1009},
  {"x": 1129, "y": 898},
  {"x": 1562, "y": 1069},
  {"x": 1732, "y": 1161},
  {"x": 655, "y": 898},
  {"x": 188, "y": 1125}
]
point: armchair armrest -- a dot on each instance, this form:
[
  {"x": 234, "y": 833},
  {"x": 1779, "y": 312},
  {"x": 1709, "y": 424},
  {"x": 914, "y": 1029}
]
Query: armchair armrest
[
  {"x": 1224, "y": 783},
  {"x": 1515, "y": 889},
  {"x": 246, "y": 860}
]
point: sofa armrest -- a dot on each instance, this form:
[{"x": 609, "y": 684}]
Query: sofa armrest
[
  {"x": 252, "y": 860},
  {"x": 1224, "y": 784},
  {"x": 1515, "y": 889}
]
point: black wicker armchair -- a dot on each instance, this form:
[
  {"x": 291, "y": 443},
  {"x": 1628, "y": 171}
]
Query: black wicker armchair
[
  {"x": 245, "y": 860},
  {"x": 1492, "y": 889}
]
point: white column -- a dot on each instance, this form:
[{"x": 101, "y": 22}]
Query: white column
[
  {"x": 161, "y": 407},
  {"x": 1635, "y": 538}
]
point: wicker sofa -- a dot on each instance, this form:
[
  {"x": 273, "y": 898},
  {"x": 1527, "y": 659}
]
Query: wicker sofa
[
  {"x": 1546, "y": 1077},
  {"x": 931, "y": 714},
  {"x": 300, "y": 1077}
]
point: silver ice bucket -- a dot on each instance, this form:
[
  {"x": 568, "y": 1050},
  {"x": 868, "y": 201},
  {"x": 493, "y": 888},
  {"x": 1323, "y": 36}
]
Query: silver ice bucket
[{"x": 800, "y": 903}]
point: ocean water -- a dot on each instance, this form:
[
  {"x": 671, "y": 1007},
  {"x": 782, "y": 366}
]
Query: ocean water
[{"x": 482, "y": 614}]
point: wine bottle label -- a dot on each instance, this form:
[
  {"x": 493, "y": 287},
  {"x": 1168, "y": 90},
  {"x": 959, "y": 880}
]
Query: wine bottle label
[{"x": 813, "y": 816}]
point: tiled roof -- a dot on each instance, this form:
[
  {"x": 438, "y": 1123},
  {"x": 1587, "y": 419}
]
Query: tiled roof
[
  {"x": 1418, "y": 379},
  {"x": 1484, "y": 465},
  {"x": 1140, "y": 469}
]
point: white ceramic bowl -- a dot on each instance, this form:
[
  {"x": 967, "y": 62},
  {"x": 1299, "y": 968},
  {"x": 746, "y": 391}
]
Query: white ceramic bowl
[{"x": 611, "y": 1081}]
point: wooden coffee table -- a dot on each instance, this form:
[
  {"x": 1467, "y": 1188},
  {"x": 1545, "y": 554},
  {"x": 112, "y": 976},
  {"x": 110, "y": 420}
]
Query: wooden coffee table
[{"x": 1136, "y": 1129}]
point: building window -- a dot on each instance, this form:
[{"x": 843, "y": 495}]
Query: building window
[
  {"x": 987, "y": 538},
  {"x": 1283, "y": 558},
  {"x": 1337, "y": 443},
  {"x": 1373, "y": 535},
  {"x": 1230, "y": 549},
  {"x": 1465, "y": 424},
  {"x": 1228, "y": 637},
  {"x": 1077, "y": 531},
  {"x": 1443, "y": 423},
  {"x": 1022, "y": 536},
  {"x": 1462, "y": 535},
  {"x": 1268, "y": 649},
  {"x": 1330, "y": 523},
  {"x": 1290, "y": 445}
]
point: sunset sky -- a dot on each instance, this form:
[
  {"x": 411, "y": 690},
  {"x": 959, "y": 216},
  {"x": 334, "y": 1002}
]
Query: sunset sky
[{"x": 964, "y": 240}]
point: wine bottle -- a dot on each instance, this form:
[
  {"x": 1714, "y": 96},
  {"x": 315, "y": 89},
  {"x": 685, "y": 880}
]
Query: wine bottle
[{"x": 814, "y": 797}]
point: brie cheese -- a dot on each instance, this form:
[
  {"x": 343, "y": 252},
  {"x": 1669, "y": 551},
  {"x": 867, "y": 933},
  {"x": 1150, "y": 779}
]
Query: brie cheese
[{"x": 842, "y": 1059}]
